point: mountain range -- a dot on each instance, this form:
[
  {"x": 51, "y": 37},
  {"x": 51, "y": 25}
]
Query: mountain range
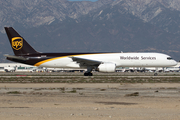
[{"x": 101, "y": 26}]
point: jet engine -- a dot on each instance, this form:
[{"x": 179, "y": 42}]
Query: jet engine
[{"x": 107, "y": 67}]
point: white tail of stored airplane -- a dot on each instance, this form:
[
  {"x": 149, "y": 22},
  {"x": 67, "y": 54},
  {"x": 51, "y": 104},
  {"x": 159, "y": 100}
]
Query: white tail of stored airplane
[{"x": 102, "y": 62}]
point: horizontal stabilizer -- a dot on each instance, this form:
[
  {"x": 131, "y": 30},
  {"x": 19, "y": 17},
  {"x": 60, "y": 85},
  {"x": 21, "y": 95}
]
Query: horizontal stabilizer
[{"x": 15, "y": 57}]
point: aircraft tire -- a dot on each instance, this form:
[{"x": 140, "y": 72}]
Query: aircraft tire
[
  {"x": 85, "y": 74},
  {"x": 155, "y": 74},
  {"x": 88, "y": 74}
]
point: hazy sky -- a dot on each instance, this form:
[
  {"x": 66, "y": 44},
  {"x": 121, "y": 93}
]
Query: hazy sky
[{"x": 84, "y": 0}]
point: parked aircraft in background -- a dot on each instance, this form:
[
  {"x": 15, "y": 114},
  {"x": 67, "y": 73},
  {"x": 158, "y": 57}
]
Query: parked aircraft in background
[{"x": 102, "y": 62}]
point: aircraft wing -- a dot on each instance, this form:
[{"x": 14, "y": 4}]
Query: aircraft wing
[{"x": 86, "y": 62}]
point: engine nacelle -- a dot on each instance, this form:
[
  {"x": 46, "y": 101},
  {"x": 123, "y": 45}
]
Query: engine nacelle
[{"x": 107, "y": 67}]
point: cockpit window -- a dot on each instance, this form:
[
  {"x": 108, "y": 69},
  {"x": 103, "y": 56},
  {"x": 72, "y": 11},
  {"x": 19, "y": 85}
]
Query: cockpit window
[{"x": 169, "y": 58}]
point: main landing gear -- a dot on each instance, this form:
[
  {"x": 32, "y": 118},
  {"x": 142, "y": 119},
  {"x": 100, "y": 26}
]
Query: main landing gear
[
  {"x": 155, "y": 74},
  {"x": 88, "y": 72}
]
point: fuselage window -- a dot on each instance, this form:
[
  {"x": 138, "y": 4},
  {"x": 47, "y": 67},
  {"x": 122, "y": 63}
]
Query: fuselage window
[{"x": 169, "y": 58}]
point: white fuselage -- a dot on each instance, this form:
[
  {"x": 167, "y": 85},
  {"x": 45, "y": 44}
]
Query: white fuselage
[{"x": 120, "y": 59}]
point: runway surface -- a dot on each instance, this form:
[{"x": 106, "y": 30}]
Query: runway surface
[
  {"x": 79, "y": 74},
  {"x": 125, "y": 97},
  {"x": 95, "y": 101}
]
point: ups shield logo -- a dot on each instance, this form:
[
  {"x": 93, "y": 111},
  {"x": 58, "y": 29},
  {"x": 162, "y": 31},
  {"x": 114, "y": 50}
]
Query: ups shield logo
[{"x": 17, "y": 43}]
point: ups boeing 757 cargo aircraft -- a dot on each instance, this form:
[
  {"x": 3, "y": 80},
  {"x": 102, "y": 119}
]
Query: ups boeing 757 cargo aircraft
[{"x": 102, "y": 62}]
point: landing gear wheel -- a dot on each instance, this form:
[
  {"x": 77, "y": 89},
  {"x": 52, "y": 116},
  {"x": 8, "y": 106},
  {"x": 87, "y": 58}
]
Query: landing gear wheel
[
  {"x": 155, "y": 74},
  {"x": 88, "y": 74},
  {"x": 85, "y": 74}
]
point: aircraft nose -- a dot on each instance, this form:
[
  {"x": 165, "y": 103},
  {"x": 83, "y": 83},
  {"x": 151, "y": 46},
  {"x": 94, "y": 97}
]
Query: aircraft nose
[{"x": 174, "y": 63}]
